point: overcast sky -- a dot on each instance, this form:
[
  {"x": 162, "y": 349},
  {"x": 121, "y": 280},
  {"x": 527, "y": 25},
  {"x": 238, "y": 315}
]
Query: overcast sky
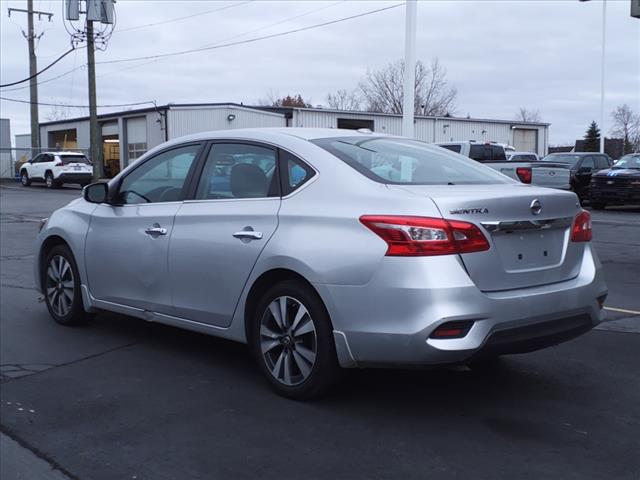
[{"x": 500, "y": 55}]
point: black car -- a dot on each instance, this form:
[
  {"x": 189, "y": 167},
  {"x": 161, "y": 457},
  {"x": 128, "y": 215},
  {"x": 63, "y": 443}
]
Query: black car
[
  {"x": 583, "y": 165},
  {"x": 618, "y": 185}
]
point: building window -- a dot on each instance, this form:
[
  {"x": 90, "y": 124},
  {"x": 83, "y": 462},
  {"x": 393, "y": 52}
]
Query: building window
[{"x": 136, "y": 150}]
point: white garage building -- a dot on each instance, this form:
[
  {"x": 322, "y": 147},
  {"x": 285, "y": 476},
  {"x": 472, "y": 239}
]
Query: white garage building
[{"x": 127, "y": 135}]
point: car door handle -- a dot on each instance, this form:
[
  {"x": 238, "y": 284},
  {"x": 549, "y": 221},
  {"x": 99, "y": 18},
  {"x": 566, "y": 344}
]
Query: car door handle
[
  {"x": 156, "y": 231},
  {"x": 248, "y": 235}
]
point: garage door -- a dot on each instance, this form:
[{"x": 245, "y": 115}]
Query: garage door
[{"x": 525, "y": 140}]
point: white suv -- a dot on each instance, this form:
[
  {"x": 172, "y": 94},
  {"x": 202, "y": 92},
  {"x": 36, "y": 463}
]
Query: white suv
[{"x": 56, "y": 168}]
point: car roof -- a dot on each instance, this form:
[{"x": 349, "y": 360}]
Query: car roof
[
  {"x": 62, "y": 152},
  {"x": 581, "y": 154},
  {"x": 274, "y": 132}
]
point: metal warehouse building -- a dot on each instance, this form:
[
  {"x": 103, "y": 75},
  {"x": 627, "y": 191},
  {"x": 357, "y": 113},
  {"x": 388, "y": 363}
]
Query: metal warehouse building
[{"x": 127, "y": 135}]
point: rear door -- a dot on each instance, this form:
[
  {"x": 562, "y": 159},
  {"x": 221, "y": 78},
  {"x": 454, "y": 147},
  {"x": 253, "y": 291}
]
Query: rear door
[{"x": 219, "y": 234}]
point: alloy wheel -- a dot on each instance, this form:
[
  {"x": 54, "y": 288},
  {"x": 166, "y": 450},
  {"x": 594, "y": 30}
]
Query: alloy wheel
[
  {"x": 288, "y": 340},
  {"x": 60, "y": 288}
]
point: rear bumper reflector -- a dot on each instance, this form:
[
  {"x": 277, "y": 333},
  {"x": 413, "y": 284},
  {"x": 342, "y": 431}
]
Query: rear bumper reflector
[{"x": 458, "y": 329}]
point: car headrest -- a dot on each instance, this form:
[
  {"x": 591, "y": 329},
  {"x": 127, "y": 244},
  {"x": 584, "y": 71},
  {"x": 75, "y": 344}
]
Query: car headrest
[{"x": 248, "y": 181}]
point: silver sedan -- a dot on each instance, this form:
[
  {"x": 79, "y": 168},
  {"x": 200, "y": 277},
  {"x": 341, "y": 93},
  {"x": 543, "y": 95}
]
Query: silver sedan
[{"x": 325, "y": 249}]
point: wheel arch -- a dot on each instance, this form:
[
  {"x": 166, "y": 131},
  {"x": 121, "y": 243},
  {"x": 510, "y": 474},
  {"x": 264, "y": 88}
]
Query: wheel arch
[
  {"x": 48, "y": 244},
  {"x": 266, "y": 280}
]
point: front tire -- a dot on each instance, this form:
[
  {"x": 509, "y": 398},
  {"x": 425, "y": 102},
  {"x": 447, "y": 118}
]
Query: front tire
[
  {"x": 292, "y": 340},
  {"x": 61, "y": 286},
  {"x": 24, "y": 179}
]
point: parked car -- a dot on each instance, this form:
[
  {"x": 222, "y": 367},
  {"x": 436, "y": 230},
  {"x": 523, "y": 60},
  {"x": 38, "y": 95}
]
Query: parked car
[
  {"x": 494, "y": 155},
  {"x": 336, "y": 249},
  {"x": 582, "y": 165},
  {"x": 522, "y": 157},
  {"x": 57, "y": 168},
  {"x": 618, "y": 185}
]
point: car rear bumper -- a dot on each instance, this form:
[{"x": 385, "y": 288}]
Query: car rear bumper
[
  {"x": 75, "y": 177},
  {"x": 378, "y": 325}
]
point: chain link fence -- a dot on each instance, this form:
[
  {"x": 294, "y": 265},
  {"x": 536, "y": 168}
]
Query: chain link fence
[{"x": 11, "y": 159}]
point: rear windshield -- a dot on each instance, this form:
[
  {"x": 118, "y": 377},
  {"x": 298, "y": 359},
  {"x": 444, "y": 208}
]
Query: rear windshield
[
  {"x": 67, "y": 159},
  {"x": 558, "y": 158},
  {"x": 523, "y": 158},
  {"x": 487, "y": 153},
  {"x": 408, "y": 162},
  {"x": 453, "y": 148}
]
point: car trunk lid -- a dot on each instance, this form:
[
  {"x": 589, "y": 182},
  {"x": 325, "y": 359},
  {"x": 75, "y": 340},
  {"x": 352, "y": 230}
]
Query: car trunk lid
[{"x": 527, "y": 249}]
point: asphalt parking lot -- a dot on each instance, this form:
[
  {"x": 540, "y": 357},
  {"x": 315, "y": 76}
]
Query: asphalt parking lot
[{"x": 124, "y": 399}]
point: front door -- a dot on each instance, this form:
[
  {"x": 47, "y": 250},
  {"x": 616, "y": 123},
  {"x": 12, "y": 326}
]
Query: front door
[
  {"x": 127, "y": 243},
  {"x": 218, "y": 236}
]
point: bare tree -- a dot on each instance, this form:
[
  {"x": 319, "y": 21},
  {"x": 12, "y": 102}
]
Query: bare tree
[
  {"x": 58, "y": 112},
  {"x": 344, "y": 100},
  {"x": 526, "y": 115},
  {"x": 383, "y": 89},
  {"x": 272, "y": 99},
  {"x": 626, "y": 125}
]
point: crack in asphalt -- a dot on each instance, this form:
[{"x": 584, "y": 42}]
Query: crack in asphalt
[
  {"x": 71, "y": 362},
  {"x": 38, "y": 453},
  {"x": 23, "y": 287},
  {"x": 17, "y": 257}
]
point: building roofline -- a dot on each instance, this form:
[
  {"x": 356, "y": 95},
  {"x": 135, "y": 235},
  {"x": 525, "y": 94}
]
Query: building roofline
[
  {"x": 287, "y": 111},
  {"x": 380, "y": 114}
]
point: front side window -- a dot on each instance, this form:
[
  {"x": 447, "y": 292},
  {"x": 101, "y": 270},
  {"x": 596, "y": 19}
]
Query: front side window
[
  {"x": 602, "y": 163},
  {"x": 235, "y": 170},
  {"x": 409, "y": 162},
  {"x": 159, "y": 179}
]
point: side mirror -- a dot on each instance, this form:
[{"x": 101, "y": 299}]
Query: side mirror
[{"x": 96, "y": 192}]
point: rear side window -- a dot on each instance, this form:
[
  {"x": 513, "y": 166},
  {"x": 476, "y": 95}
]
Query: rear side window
[
  {"x": 408, "y": 162},
  {"x": 453, "y": 148},
  {"x": 236, "y": 170},
  {"x": 587, "y": 163},
  {"x": 295, "y": 172},
  {"x": 67, "y": 159}
]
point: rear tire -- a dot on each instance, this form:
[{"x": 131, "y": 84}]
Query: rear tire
[
  {"x": 61, "y": 287},
  {"x": 598, "y": 206},
  {"x": 292, "y": 340},
  {"x": 50, "y": 182},
  {"x": 24, "y": 178}
]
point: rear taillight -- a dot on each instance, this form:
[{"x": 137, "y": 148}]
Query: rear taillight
[
  {"x": 581, "y": 229},
  {"x": 424, "y": 236},
  {"x": 58, "y": 164},
  {"x": 524, "y": 174}
]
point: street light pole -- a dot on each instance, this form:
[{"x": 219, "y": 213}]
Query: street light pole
[
  {"x": 409, "y": 69},
  {"x": 604, "y": 37}
]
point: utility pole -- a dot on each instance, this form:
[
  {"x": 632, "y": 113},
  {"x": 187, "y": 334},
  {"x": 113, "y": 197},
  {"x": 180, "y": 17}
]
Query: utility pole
[
  {"x": 602, "y": 65},
  {"x": 31, "y": 37},
  {"x": 94, "y": 137},
  {"x": 409, "y": 69}
]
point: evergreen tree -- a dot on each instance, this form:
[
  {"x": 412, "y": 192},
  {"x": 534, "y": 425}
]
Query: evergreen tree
[{"x": 592, "y": 138}]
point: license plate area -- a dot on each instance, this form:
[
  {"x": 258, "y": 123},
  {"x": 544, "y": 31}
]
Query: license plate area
[{"x": 530, "y": 249}]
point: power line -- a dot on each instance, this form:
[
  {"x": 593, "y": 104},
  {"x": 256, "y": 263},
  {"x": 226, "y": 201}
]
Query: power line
[
  {"x": 186, "y": 17},
  {"x": 77, "y": 106},
  {"x": 41, "y": 71},
  {"x": 251, "y": 40}
]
